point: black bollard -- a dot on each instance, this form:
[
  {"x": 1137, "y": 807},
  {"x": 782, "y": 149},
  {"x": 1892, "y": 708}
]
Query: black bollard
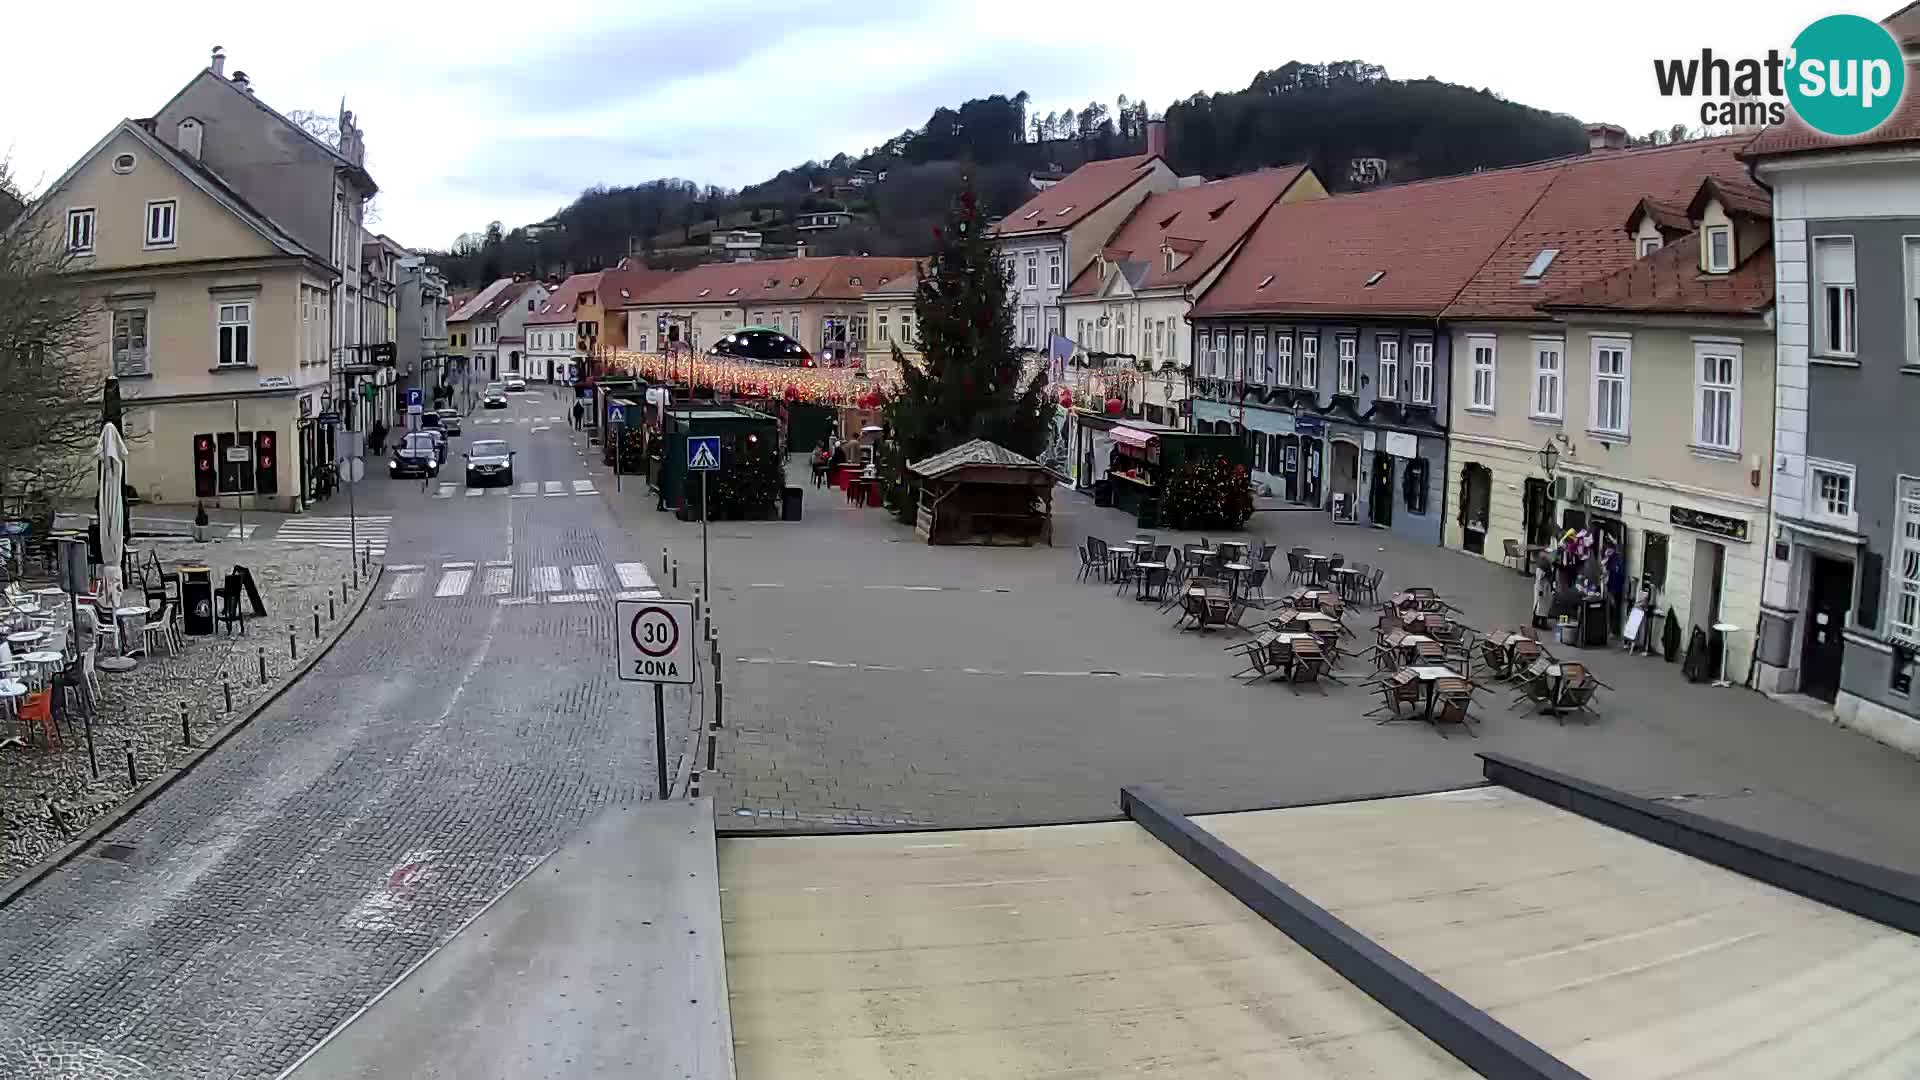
[
  {"x": 186, "y": 730},
  {"x": 330, "y": 614},
  {"x": 92, "y": 761},
  {"x": 293, "y": 644},
  {"x": 663, "y": 558},
  {"x": 133, "y": 775},
  {"x": 227, "y": 689},
  {"x": 262, "y": 650},
  {"x": 676, "y": 573},
  {"x": 316, "y": 619}
]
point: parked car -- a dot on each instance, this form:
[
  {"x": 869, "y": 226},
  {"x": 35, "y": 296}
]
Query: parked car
[
  {"x": 489, "y": 461},
  {"x": 417, "y": 454},
  {"x": 494, "y": 396},
  {"x": 449, "y": 421},
  {"x": 515, "y": 383},
  {"x": 439, "y": 442}
]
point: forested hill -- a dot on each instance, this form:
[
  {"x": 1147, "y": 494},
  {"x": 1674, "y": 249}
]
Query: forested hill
[{"x": 1352, "y": 123}]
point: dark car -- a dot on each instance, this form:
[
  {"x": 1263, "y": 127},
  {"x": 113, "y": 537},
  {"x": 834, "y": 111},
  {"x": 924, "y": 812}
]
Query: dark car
[
  {"x": 489, "y": 461},
  {"x": 449, "y": 421},
  {"x": 763, "y": 345},
  {"x": 418, "y": 454},
  {"x": 494, "y": 396}
]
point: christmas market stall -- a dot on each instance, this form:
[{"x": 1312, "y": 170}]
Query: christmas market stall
[
  {"x": 752, "y": 470},
  {"x": 1165, "y": 476},
  {"x": 982, "y": 493}
]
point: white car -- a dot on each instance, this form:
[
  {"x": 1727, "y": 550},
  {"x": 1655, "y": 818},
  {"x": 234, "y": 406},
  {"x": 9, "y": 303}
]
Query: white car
[{"x": 516, "y": 383}]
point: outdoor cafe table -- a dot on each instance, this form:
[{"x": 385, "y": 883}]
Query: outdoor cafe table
[
  {"x": 1287, "y": 639},
  {"x": 26, "y": 639},
  {"x": 1317, "y": 566},
  {"x": 1430, "y": 676},
  {"x": 51, "y": 595},
  {"x": 1143, "y": 574},
  {"x": 11, "y": 691},
  {"x": 131, "y": 620},
  {"x": 1234, "y": 571},
  {"x": 45, "y": 662},
  {"x": 1348, "y": 576}
]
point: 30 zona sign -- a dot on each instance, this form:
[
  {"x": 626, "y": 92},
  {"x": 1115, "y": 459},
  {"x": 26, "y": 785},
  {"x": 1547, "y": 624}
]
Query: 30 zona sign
[{"x": 654, "y": 640}]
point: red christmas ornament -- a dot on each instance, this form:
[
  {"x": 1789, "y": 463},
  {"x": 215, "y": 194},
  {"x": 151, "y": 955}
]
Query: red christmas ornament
[
  {"x": 792, "y": 393},
  {"x": 1115, "y": 406},
  {"x": 1066, "y": 399}
]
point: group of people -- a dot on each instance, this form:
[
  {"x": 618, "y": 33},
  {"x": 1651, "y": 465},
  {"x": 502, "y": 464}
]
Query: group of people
[{"x": 1559, "y": 586}]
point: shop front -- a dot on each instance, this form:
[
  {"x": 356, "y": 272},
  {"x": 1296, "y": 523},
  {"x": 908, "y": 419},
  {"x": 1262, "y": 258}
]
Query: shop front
[{"x": 1287, "y": 451}]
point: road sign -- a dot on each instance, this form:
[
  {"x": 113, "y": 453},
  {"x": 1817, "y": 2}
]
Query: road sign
[
  {"x": 616, "y": 414},
  {"x": 239, "y": 453},
  {"x": 703, "y": 453},
  {"x": 328, "y": 418},
  {"x": 413, "y": 400},
  {"x": 655, "y": 640}
]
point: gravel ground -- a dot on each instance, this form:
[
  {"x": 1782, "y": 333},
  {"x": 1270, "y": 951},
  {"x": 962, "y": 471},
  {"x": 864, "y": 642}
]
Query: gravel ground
[{"x": 140, "y": 710}]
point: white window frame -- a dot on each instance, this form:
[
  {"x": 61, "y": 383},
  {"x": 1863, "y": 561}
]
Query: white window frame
[
  {"x": 1910, "y": 263},
  {"x": 1707, "y": 237},
  {"x": 1310, "y": 361},
  {"x": 80, "y": 230},
  {"x": 1283, "y": 359},
  {"x": 1553, "y": 380},
  {"x": 1817, "y": 506},
  {"x": 906, "y": 328},
  {"x": 130, "y": 361},
  {"x": 169, "y": 237},
  {"x": 1903, "y": 575},
  {"x": 233, "y": 334},
  {"x": 1483, "y": 346},
  {"x": 1423, "y": 372},
  {"x": 1029, "y": 325},
  {"x": 1033, "y": 269},
  {"x": 1259, "y": 358},
  {"x": 1387, "y": 384},
  {"x": 793, "y": 320},
  {"x": 881, "y": 332},
  {"x": 1702, "y": 351},
  {"x": 1238, "y": 372},
  {"x": 1219, "y": 362},
  {"x": 1646, "y": 246},
  {"x": 1053, "y": 268},
  {"x": 1599, "y": 380},
  {"x": 1825, "y": 291},
  {"x": 1347, "y": 348}
]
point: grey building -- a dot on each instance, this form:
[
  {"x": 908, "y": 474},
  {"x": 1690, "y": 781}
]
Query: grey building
[
  {"x": 1841, "y": 609},
  {"x": 420, "y": 341}
]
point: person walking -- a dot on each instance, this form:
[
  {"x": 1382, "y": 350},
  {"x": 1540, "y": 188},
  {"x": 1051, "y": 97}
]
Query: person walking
[{"x": 579, "y": 411}]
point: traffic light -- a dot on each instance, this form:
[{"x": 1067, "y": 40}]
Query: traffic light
[
  {"x": 205, "y": 481},
  {"x": 266, "y": 479}
]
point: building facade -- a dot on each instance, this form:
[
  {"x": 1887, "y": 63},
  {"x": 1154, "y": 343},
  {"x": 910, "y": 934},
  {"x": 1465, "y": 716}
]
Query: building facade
[
  {"x": 566, "y": 329},
  {"x": 422, "y": 341},
  {"x": 1842, "y": 604},
  {"x": 817, "y": 302},
  {"x": 888, "y": 324}
]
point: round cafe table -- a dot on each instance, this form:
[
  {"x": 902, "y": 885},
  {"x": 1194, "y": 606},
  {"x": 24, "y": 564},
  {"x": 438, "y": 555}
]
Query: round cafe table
[
  {"x": 51, "y": 595},
  {"x": 131, "y": 620},
  {"x": 26, "y": 639},
  {"x": 44, "y": 663},
  {"x": 11, "y": 691}
]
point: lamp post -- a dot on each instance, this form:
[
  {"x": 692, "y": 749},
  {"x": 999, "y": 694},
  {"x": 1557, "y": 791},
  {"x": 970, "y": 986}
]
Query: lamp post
[{"x": 1549, "y": 457}]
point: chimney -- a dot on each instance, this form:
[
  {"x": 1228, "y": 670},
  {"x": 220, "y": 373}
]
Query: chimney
[
  {"x": 219, "y": 64},
  {"x": 1157, "y": 138},
  {"x": 1606, "y": 137},
  {"x": 245, "y": 84}
]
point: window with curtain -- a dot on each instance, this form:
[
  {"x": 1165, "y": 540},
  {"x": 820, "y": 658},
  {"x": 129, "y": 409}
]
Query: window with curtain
[
  {"x": 1349, "y": 369},
  {"x": 1611, "y": 388},
  {"x": 1310, "y": 361},
  {"x": 1423, "y": 373},
  {"x": 1904, "y": 622},
  {"x": 1833, "y": 271},
  {"x": 1389, "y": 385},
  {"x": 1283, "y": 359},
  {"x": 1547, "y": 357},
  {"x": 1716, "y": 397}
]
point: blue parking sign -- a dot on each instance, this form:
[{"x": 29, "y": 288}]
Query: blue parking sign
[{"x": 703, "y": 453}]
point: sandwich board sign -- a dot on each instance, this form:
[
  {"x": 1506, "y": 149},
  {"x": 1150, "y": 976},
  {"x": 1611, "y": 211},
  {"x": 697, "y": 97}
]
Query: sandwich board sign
[{"x": 703, "y": 453}]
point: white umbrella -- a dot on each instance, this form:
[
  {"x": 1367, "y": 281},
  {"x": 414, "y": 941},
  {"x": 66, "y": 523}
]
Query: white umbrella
[{"x": 109, "y": 504}]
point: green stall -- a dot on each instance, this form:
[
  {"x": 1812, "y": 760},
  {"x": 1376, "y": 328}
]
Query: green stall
[
  {"x": 752, "y": 469},
  {"x": 1142, "y": 458}
]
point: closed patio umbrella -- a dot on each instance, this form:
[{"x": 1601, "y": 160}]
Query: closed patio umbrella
[{"x": 110, "y": 506}]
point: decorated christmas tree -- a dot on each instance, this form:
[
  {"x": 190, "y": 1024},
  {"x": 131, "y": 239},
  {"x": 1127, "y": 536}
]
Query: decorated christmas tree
[{"x": 967, "y": 384}]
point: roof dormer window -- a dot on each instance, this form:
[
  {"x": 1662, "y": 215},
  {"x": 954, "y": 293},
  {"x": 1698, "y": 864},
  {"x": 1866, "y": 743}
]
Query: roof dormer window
[
  {"x": 854, "y": 280},
  {"x": 1030, "y": 215},
  {"x": 1647, "y": 245},
  {"x": 1537, "y": 269},
  {"x": 1264, "y": 282},
  {"x": 704, "y": 292},
  {"x": 1374, "y": 278},
  {"x": 1214, "y": 214},
  {"x": 735, "y": 291},
  {"x": 1067, "y": 209},
  {"x": 1718, "y": 240},
  {"x": 796, "y": 282}
]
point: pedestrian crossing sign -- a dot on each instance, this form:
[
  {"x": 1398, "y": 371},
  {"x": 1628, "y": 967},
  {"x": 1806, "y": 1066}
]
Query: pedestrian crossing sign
[{"x": 703, "y": 453}]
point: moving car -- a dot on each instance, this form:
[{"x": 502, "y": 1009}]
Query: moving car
[
  {"x": 515, "y": 383},
  {"x": 449, "y": 421},
  {"x": 494, "y": 396},
  {"x": 489, "y": 461},
  {"x": 417, "y": 454}
]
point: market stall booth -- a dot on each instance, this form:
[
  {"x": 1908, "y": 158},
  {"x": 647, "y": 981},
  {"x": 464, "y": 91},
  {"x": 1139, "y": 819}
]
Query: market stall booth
[
  {"x": 983, "y": 493},
  {"x": 1143, "y": 458},
  {"x": 748, "y": 483}
]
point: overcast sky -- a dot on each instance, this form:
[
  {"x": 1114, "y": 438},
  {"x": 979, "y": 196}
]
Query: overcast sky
[{"x": 482, "y": 111}]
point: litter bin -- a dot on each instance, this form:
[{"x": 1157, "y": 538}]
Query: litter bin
[
  {"x": 1103, "y": 493},
  {"x": 196, "y": 598},
  {"x": 1593, "y": 622},
  {"x": 790, "y": 504}
]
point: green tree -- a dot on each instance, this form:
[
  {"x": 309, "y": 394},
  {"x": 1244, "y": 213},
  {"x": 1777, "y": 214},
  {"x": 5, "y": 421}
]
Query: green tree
[{"x": 967, "y": 384}]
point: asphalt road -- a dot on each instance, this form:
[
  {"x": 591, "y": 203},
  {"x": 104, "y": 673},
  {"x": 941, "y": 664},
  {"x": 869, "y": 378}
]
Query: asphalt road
[{"x": 461, "y": 730}]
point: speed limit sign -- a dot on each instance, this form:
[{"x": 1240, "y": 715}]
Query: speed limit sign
[{"x": 654, "y": 640}]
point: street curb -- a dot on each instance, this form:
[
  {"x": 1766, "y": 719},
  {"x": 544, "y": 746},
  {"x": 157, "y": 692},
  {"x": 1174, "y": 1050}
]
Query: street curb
[{"x": 12, "y": 890}]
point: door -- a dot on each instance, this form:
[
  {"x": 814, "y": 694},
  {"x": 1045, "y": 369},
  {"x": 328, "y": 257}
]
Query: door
[
  {"x": 1290, "y": 451},
  {"x": 1536, "y": 511},
  {"x": 1476, "y": 498},
  {"x": 1346, "y": 474},
  {"x": 1829, "y": 598},
  {"x": 1382, "y": 494},
  {"x": 1312, "y": 468}
]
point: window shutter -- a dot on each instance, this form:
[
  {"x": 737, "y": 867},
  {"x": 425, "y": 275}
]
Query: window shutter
[{"x": 1872, "y": 577}]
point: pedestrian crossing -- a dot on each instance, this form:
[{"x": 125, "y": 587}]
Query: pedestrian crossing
[
  {"x": 516, "y": 420},
  {"x": 369, "y": 530},
  {"x": 525, "y": 489},
  {"x": 576, "y": 584}
]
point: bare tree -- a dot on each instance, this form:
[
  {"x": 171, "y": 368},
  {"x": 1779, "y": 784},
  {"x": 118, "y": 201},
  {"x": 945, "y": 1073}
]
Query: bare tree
[
  {"x": 317, "y": 124},
  {"x": 50, "y": 414}
]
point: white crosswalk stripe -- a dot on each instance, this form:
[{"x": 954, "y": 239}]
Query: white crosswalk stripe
[
  {"x": 444, "y": 491},
  {"x": 529, "y": 487},
  {"x": 553, "y": 489},
  {"x": 337, "y": 532},
  {"x": 474, "y": 493},
  {"x": 454, "y": 583},
  {"x": 499, "y": 581},
  {"x": 588, "y": 577},
  {"x": 546, "y": 579},
  {"x": 584, "y": 487},
  {"x": 405, "y": 585},
  {"x": 633, "y": 575},
  {"x": 577, "y": 584}
]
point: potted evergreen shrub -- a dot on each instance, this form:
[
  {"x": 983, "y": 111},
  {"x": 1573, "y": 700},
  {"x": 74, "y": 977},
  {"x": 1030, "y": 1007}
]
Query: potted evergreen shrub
[{"x": 201, "y": 525}]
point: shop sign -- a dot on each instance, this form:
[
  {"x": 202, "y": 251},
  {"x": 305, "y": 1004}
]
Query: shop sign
[
  {"x": 275, "y": 382},
  {"x": 1366, "y": 441},
  {"x": 1604, "y": 499},
  {"x": 1703, "y": 521},
  {"x": 1402, "y": 445},
  {"x": 1310, "y": 425}
]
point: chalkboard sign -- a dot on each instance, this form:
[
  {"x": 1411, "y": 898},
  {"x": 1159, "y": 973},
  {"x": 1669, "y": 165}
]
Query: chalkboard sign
[{"x": 1703, "y": 521}]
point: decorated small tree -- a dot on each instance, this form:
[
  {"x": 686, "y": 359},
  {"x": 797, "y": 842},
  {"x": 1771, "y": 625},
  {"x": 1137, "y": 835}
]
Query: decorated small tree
[
  {"x": 967, "y": 383},
  {"x": 1207, "y": 493}
]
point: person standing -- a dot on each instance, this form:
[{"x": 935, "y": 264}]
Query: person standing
[
  {"x": 1542, "y": 595},
  {"x": 579, "y": 413},
  {"x": 1614, "y": 567}
]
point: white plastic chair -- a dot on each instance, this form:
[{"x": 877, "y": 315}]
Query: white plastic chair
[{"x": 160, "y": 630}]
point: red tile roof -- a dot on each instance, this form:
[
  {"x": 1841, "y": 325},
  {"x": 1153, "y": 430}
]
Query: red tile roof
[
  {"x": 500, "y": 301},
  {"x": 624, "y": 287},
  {"x": 839, "y": 277},
  {"x": 563, "y": 303},
  {"x": 1315, "y": 257},
  {"x": 1670, "y": 281},
  {"x": 1579, "y": 215},
  {"x": 1085, "y": 190},
  {"x": 1795, "y": 137},
  {"x": 1203, "y": 222}
]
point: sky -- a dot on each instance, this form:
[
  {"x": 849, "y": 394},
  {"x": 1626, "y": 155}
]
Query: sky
[{"x": 485, "y": 111}]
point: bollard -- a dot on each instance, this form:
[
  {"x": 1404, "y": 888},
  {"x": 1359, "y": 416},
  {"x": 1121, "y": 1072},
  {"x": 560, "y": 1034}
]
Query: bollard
[
  {"x": 262, "y": 650},
  {"x": 227, "y": 689},
  {"x": 186, "y": 729},
  {"x": 676, "y": 573},
  {"x": 696, "y": 605},
  {"x": 330, "y": 614},
  {"x": 92, "y": 761},
  {"x": 293, "y": 644},
  {"x": 693, "y": 784},
  {"x": 663, "y": 558},
  {"x": 133, "y": 774},
  {"x": 316, "y": 619}
]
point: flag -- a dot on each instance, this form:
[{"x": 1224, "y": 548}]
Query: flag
[{"x": 1059, "y": 350}]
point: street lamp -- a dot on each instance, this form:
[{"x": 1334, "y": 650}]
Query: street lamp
[{"x": 1549, "y": 457}]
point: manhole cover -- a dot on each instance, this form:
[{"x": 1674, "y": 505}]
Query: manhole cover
[{"x": 119, "y": 853}]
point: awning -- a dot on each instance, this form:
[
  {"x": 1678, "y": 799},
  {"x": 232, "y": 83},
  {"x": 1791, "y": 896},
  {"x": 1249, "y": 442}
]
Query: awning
[{"x": 1133, "y": 437}]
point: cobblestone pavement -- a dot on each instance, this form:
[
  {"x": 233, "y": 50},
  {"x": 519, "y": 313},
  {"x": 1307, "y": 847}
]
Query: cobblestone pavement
[
  {"x": 434, "y": 755},
  {"x": 872, "y": 680},
  {"x": 140, "y": 709}
]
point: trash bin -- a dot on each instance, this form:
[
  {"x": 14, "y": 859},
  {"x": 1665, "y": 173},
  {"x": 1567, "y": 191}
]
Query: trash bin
[
  {"x": 790, "y": 504},
  {"x": 1593, "y": 622},
  {"x": 196, "y": 598},
  {"x": 1103, "y": 493}
]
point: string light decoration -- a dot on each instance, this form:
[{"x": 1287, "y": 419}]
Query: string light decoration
[{"x": 1209, "y": 493}]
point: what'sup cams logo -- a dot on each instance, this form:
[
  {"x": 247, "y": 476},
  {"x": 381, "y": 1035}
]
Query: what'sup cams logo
[{"x": 1843, "y": 76}]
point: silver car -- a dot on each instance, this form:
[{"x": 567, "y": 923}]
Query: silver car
[{"x": 489, "y": 461}]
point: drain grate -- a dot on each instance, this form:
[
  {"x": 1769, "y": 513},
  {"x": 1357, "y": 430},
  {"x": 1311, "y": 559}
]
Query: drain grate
[{"x": 120, "y": 853}]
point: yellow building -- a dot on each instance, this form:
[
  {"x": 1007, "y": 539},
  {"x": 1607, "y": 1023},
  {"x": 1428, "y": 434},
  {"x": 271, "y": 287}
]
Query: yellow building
[
  {"x": 889, "y": 323},
  {"x": 213, "y": 319}
]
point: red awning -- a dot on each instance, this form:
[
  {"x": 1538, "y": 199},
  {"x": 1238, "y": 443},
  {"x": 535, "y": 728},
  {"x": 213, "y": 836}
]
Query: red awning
[{"x": 1133, "y": 437}]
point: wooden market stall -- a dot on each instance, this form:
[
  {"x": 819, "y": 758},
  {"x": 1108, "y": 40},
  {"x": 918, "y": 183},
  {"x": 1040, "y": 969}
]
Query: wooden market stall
[
  {"x": 1141, "y": 457},
  {"x": 983, "y": 493}
]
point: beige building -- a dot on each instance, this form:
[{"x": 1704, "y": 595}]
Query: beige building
[
  {"x": 889, "y": 324},
  {"x": 817, "y": 302},
  {"x": 1649, "y": 389}
]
